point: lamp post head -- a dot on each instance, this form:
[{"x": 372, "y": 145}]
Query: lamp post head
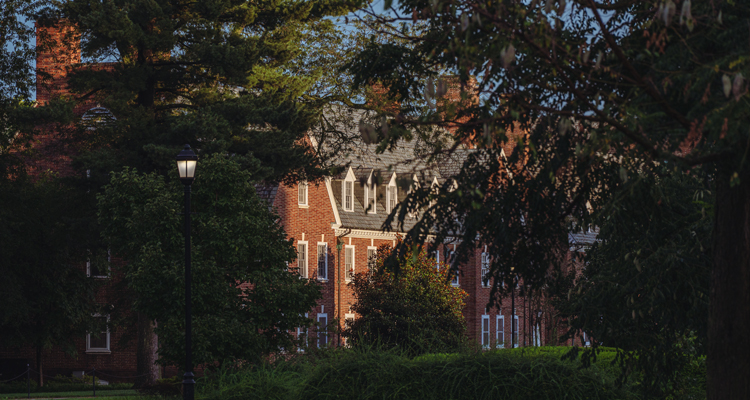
[{"x": 186, "y": 163}]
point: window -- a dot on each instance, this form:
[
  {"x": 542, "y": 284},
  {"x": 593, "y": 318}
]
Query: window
[
  {"x": 536, "y": 336},
  {"x": 323, "y": 261},
  {"x": 454, "y": 281},
  {"x": 302, "y": 336},
  {"x": 96, "y": 270},
  {"x": 485, "y": 263},
  {"x": 500, "y": 331},
  {"x": 586, "y": 341},
  {"x": 99, "y": 342},
  {"x": 349, "y": 263},
  {"x": 302, "y": 193},
  {"x": 436, "y": 254},
  {"x": 370, "y": 198},
  {"x": 372, "y": 258},
  {"x": 302, "y": 259},
  {"x": 348, "y": 195},
  {"x": 392, "y": 197},
  {"x": 322, "y": 330},
  {"x": 485, "y": 331},
  {"x": 515, "y": 329}
]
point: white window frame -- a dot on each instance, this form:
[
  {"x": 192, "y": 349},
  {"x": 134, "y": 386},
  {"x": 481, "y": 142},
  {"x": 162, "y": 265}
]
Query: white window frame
[
  {"x": 391, "y": 195},
  {"x": 484, "y": 265},
  {"x": 88, "y": 268},
  {"x": 500, "y": 331},
  {"x": 454, "y": 279},
  {"x": 302, "y": 330},
  {"x": 485, "y": 338},
  {"x": 375, "y": 254},
  {"x": 348, "y": 183},
  {"x": 322, "y": 329},
  {"x": 515, "y": 328},
  {"x": 302, "y": 185},
  {"x": 371, "y": 203},
  {"x": 302, "y": 264},
  {"x": 349, "y": 270},
  {"x": 99, "y": 350},
  {"x": 437, "y": 259},
  {"x": 322, "y": 277}
]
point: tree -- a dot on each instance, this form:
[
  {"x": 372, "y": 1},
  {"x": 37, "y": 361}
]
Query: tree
[
  {"x": 245, "y": 299},
  {"x": 593, "y": 84},
  {"x": 654, "y": 251},
  {"x": 418, "y": 310},
  {"x": 221, "y": 75},
  {"x": 48, "y": 301}
]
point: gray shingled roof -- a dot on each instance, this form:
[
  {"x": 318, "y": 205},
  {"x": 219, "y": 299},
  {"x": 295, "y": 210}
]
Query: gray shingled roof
[{"x": 364, "y": 160}]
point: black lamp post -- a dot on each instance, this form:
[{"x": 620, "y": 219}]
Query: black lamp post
[{"x": 186, "y": 163}]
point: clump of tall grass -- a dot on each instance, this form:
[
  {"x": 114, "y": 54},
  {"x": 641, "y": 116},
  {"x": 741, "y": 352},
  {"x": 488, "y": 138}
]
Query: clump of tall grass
[{"x": 388, "y": 374}]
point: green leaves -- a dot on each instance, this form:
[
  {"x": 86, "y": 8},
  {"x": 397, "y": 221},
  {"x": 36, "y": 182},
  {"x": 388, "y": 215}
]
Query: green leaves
[{"x": 245, "y": 301}]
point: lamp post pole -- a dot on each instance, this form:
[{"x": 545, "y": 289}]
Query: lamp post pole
[
  {"x": 186, "y": 163},
  {"x": 188, "y": 381}
]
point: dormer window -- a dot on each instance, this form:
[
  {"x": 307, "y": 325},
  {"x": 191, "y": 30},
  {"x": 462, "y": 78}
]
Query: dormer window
[
  {"x": 302, "y": 193},
  {"x": 370, "y": 197},
  {"x": 347, "y": 195},
  {"x": 391, "y": 195}
]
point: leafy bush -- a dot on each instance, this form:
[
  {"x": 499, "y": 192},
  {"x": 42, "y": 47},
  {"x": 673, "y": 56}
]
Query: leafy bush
[
  {"x": 416, "y": 310},
  {"x": 389, "y": 374}
]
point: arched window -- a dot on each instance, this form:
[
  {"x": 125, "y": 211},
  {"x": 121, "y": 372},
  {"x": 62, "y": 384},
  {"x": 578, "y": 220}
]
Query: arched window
[{"x": 97, "y": 116}]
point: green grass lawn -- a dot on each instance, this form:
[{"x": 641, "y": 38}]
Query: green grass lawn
[{"x": 126, "y": 394}]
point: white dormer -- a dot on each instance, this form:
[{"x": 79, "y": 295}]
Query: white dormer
[
  {"x": 370, "y": 193},
  {"x": 347, "y": 191},
  {"x": 391, "y": 194}
]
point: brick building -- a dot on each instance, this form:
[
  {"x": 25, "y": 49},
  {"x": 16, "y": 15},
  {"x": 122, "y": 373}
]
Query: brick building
[{"x": 336, "y": 225}]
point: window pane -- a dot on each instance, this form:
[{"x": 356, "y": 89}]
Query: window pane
[
  {"x": 349, "y": 262},
  {"x": 371, "y": 259},
  {"x": 322, "y": 261},
  {"x": 302, "y": 259}
]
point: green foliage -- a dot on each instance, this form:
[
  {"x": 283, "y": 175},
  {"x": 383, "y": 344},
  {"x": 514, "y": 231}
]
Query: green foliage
[
  {"x": 416, "y": 310},
  {"x": 380, "y": 374},
  {"x": 47, "y": 298},
  {"x": 235, "y": 77},
  {"x": 245, "y": 301},
  {"x": 654, "y": 253},
  {"x": 587, "y": 89}
]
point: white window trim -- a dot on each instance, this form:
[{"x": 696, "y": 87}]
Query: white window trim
[
  {"x": 437, "y": 259},
  {"x": 302, "y": 330},
  {"x": 347, "y": 275},
  {"x": 368, "y": 251},
  {"x": 391, "y": 187},
  {"x": 99, "y": 350},
  {"x": 486, "y": 344},
  {"x": 455, "y": 280},
  {"x": 300, "y": 185},
  {"x": 484, "y": 259},
  {"x": 317, "y": 262},
  {"x": 323, "y": 329},
  {"x": 518, "y": 340},
  {"x": 349, "y": 179},
  {"x": 371, "y": 196},
  {"x": 303, "y": 273},
  {"x": 500, "y": 331}
]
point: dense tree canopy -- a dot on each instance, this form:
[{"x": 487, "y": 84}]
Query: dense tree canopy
[
  {"x": 644, "y": 288},
  {"x": 245, "y": 300},
  {"x": 592, "y": 84},
  {"x": 48, "y": 300}
]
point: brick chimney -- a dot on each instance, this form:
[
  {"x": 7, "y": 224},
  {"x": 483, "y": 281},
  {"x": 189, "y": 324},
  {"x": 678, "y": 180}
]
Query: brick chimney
[{"x": 58, "y": 49}]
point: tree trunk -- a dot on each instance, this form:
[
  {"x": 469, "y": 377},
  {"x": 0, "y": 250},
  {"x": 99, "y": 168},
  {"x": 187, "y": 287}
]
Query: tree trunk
[
  {"x": 148, "y": 371},
  {"x": 39, "y": 365},
  {"x": 729, "y": 309}
]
